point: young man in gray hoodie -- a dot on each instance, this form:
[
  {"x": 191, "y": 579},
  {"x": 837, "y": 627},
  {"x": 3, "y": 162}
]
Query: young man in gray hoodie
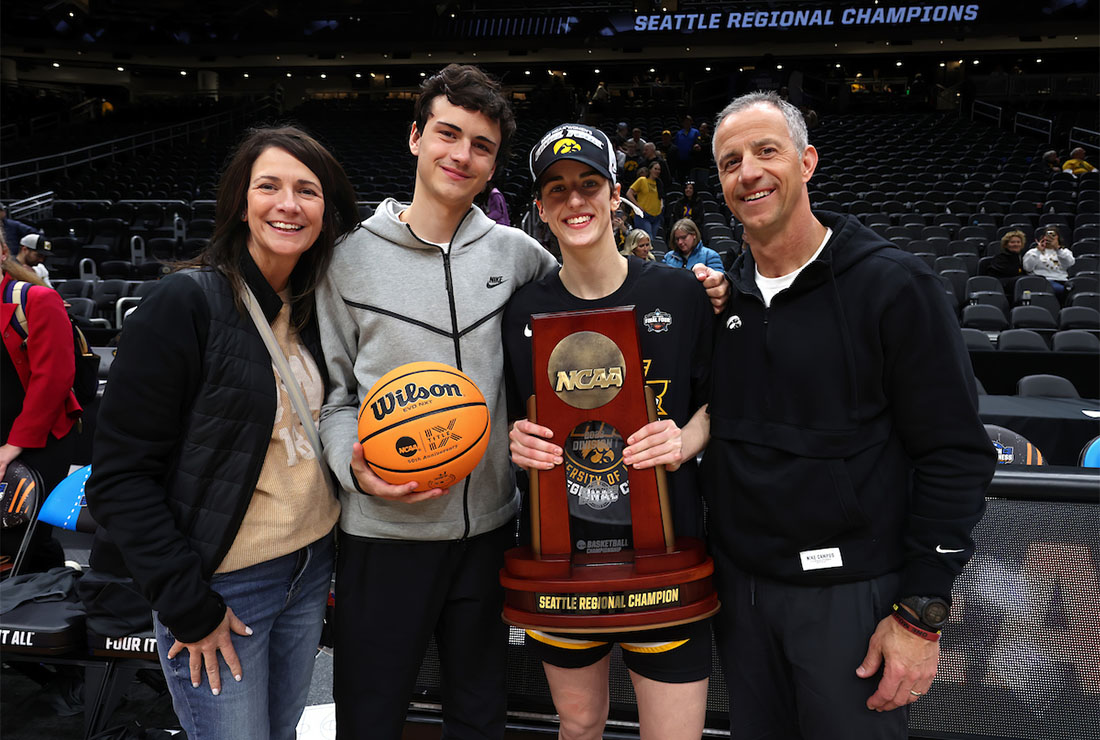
[{"x": 425, "y": 282}]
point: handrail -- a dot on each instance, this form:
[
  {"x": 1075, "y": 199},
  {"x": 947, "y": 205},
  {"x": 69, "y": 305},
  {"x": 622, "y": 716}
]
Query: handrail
[
  {"x": 21, "y": 169},
  {"x": 1042, "y": 125},
  {"x": 1092, "y": 140},
  {"x": 979, "y": 109},
  {"x": 1046, "y": 483}
]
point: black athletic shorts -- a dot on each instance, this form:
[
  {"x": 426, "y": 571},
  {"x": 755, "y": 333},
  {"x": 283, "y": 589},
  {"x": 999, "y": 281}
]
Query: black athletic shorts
[{"x": 680, "y": 654}]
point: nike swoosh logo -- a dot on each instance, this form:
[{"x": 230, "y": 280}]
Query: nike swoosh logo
[
  {"x": 494, "y": 281},
  {"x": 527, "y": 330},
  {"x": 939, "y": 548}
]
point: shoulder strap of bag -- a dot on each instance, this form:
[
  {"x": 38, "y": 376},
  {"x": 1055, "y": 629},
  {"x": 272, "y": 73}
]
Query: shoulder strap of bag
[
  {"x": 16, "y": 293},
  {"x": 282, "y": 367}
]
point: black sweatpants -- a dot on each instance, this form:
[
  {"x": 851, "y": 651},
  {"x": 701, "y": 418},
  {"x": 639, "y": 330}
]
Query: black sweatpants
[
  {"x": 789, "y": 654},
  {"x": 391, "y": 597}
]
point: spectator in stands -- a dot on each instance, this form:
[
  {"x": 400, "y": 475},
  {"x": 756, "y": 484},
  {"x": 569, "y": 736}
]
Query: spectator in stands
[
  {"x": 636, "y": 137},
  {"x": 686, "y": 143},
  {"x": 687, "y": 248},
  {"x": 599, "y": 100},
  {"x": 638, "y": 244},
  {"x": 38, "y": 410},
  {"x": 618, "y": 226},
  {"x": 30, "y": 247},
  {"x": 1052, "y": 161},
  {"x": 689, "y": 206},
  {"x": 650, "y": 155},
  {"x": 669, "y": 668},
  {"x": 646, "y": 193},
  {"x": 701, "y": 157},
  {"x": 665, "y": 146},
  {"x": 1050, "y": 259},
  {"x": 204, "y": 480},
  {"x": 492, "y": 202},
  {"x": 14, "y": 231},
  {"x": 630, "y": 160},
  {"x": 1007, "y": 265},
  {"x": 622, "y": 133},
  {"x": 1076, "y": 163},
  {"x": 846, "y": 466}
]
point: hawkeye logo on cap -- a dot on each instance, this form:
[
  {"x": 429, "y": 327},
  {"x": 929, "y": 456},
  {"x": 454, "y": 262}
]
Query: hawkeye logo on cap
[{"x": 566, "y": 146}]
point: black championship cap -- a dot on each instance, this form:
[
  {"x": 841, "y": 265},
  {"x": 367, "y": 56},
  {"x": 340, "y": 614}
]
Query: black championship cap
[{"x": 577, "y": 142}]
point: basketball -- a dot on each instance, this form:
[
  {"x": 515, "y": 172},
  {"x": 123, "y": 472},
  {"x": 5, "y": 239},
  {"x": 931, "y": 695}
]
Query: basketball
[{"x": 425, "y": 422}]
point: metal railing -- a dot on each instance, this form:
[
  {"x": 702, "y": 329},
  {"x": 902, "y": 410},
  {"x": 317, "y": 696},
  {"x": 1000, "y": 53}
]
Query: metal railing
[
  {"x": 12, "y": 172},
  {"x": 1035, "y": 124}
]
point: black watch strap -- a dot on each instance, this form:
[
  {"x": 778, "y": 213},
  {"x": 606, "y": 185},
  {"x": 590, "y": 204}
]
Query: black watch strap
[{"x": 932, "y": 611}]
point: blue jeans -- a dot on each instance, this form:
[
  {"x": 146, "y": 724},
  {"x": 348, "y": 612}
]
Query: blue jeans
[
  {"x": 649, "y": 224},
  {"x": 283, "y": 601}
]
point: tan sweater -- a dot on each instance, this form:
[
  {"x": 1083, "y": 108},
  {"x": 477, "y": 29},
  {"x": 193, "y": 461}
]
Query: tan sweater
[{"x": 291, "y": 506}]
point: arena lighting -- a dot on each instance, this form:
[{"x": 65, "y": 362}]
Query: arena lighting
[
  {"x": 56, "y": 65},
  {"x": 121, "y": 69},
  {"x": 423, "y": 74},
  {"x": 706, "y": 69},
  {"x": 652, "y": 70},
  {"x": 288, "y": 74},
  {"x": 943, "y": 64},
  {"x": 183, "y": 73},
  {"x": 246, "y": 75},
  {"x": 976, "y": 61},
  {"x": 779, "y": 66},
  {"x": 358, "y": 75},
  {"x": 897, "y": 64},
  {"x": 595, "y": 71},
  {"x": 526, "y": 71},
  {"x": 324, "y": 76},
  {"x": 387, "y": 77},
  {"x": 1039, "y": 60}
]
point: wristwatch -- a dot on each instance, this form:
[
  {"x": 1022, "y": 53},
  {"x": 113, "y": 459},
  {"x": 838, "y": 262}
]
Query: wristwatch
[{"x": 931, "y": 611}]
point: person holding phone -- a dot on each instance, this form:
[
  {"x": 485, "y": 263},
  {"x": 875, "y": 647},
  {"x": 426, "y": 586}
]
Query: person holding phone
[{"x": 1049, "y": 259}]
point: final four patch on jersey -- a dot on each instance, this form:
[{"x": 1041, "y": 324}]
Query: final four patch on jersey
[{"x": 657, "y": 321}]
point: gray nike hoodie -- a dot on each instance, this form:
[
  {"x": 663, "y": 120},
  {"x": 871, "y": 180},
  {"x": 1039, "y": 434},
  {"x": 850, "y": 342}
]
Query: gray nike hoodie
[{"x": 390, "y": 298}]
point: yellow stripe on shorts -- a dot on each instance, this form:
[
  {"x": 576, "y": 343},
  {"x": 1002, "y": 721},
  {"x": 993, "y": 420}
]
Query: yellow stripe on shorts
[
  {"x": 651, "y": 647},
  {"x": 568, "y": 643}
]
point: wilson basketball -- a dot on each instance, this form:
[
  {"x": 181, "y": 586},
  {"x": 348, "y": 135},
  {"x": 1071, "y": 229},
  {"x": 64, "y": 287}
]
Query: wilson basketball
[{"x": 425, "y": 422}]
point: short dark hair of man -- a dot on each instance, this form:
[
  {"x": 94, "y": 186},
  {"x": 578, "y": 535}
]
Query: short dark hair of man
[{"x": 468, "y": 87}]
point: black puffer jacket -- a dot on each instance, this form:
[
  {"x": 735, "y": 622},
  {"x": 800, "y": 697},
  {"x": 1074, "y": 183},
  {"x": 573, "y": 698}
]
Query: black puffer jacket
[{"x": 181, "y": 437}]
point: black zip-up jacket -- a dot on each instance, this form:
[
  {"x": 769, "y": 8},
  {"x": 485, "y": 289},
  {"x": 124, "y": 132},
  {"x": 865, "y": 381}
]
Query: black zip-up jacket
[
  {"x": 181, "y": 437},
  {"x": 844, "y": 423}
]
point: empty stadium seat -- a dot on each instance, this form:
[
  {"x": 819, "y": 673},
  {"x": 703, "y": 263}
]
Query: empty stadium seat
[
  {"x": 1075, "y": 340},
  {"x": 1021, "y": 340},
  {"x": 984, "y": 317},
  {"x": 1079, "y": 317},
  {"x": 1032, "y": 317},
  {"x": 976, "y": 340},
  {"x": 1048, "y": 386}
]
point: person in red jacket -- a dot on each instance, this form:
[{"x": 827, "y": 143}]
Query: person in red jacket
[{"x": 38, "y": 411}]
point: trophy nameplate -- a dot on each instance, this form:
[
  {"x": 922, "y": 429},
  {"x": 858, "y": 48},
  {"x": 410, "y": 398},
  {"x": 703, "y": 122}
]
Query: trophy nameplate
[{"x": 603, "y": 555}]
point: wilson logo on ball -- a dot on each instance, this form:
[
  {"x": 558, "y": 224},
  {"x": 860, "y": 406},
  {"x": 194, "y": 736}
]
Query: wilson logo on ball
[
  {"x": 409, "y": 395},
  {"x": 424, "y": 422}
]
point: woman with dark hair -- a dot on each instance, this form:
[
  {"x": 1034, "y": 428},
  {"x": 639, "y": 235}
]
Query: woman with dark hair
[
  {"x": 207, "y": 479},
  {"x": 1049, "y": 258}
]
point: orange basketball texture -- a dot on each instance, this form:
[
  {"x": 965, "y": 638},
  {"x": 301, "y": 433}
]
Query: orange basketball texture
[{"x": 425, "y": 422}]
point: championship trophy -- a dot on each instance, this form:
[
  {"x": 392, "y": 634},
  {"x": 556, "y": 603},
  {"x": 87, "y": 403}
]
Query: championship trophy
[{"x": 603, "y": 554}]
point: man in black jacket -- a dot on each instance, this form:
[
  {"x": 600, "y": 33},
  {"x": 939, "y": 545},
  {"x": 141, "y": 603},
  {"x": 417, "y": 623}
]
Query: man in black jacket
[{"x": 847, "y": 463}]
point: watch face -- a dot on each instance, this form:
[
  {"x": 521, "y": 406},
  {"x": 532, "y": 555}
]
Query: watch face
[{"x": 935, "y": 613}]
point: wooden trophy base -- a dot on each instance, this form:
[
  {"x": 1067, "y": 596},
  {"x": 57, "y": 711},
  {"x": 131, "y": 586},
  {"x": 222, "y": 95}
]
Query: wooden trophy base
[{"x": 639, "y": 590}]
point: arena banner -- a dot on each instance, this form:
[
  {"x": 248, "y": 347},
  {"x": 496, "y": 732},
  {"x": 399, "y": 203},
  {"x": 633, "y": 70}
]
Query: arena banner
[{"x": 855, "y": 19}]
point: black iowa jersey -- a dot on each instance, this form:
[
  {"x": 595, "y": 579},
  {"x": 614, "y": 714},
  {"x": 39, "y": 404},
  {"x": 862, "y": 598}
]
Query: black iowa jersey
[{"x": 675, "y": 321}]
